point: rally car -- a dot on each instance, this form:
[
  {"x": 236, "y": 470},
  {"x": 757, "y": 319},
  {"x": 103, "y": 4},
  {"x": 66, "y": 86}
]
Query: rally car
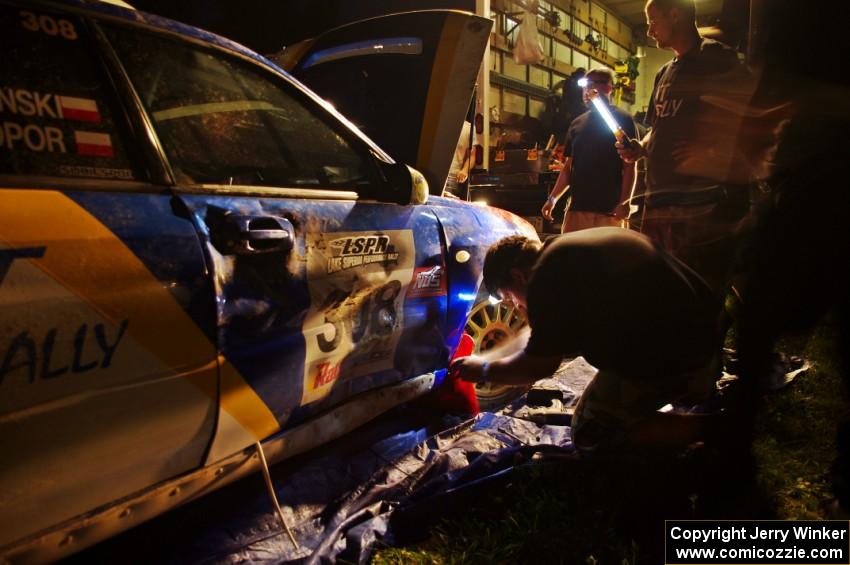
[{"x": 199, "y": 258}]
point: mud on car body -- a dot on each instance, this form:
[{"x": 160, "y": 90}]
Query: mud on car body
[{"x": 196, "y": 254}]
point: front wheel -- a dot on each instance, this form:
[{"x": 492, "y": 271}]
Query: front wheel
[{"x": 489, "y": 325}]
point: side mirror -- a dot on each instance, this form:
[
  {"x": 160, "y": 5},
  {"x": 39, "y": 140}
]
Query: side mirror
[
  {"x": 403, "y": 185},
  {"x": 418, "y": 187}
]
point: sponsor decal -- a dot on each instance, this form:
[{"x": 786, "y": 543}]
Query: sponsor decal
[
  {"x": 326, "y": 373},
  {"x": 427, "y": 282},
  {"x": 93, "y": 144},
  {"x": 350, "y": 252},
  {"x": 357, "y": 283},
  {"x": 33, "y": 355},
  {"x": 96, "y": 172}
]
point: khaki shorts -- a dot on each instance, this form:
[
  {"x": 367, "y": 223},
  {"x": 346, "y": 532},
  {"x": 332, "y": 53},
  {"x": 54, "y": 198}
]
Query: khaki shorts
[
  {"x": 575, "y": 221},
  {"x": 611, "y": 405}
]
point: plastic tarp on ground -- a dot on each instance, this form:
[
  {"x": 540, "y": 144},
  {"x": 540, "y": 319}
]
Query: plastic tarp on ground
[
  {"x": 340, "y": 505},
  {"x": 381, "y": 484},
  {"x": 385, "y": 484}
]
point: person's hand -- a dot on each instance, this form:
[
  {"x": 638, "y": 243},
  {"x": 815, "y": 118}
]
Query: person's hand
[
  {"x": 460, "y": 177},
  {"x": 468, "y": 368},
  {"x": 547, "y": 209},
  {"x": 622, "y": 211},
  {"x": 630, "y": 150}
]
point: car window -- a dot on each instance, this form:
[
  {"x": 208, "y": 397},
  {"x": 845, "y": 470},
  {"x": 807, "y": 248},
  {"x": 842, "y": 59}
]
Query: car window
[
  {"x": 56, "y": 116},
  {"x": 221, "y": 120}
]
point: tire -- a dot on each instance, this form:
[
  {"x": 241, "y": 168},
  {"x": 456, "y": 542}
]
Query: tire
[{"x": 489, "y": 325}]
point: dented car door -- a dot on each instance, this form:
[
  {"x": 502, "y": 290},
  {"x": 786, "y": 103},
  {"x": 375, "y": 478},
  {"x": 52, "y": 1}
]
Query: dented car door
[{"x": 311, "y": 260}]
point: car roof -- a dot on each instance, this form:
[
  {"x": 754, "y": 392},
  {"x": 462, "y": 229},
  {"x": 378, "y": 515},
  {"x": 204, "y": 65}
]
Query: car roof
[
  {"x": 144, "y": 19},
  {"x": 119, "y": 11}
]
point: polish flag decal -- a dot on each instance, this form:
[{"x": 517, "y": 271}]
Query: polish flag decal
[
  {"x": 81, "y": 109},
  {"x": 94, "y": 144}
]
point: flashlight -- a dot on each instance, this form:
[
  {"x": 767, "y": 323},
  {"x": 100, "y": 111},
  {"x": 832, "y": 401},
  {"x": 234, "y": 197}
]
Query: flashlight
[
  {"x": 615, "y": 128},
  {"x": 603, "y": 110}
]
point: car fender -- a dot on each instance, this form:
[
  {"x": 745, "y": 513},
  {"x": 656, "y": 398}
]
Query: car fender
[{"x": 468, "y": 231}]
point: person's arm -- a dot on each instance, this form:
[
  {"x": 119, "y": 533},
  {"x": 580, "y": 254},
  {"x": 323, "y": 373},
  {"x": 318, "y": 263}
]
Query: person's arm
[
  {"x": 558, "y": 190},
  {"x": 517, "y": 369},
  {"x": 463, "y": 171},
  {"x": 627, "y": 187},
  {"x": 627, "y": 173}
]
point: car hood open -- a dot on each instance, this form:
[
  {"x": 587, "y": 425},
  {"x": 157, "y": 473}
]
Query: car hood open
[{"x": 406, "y": 80}]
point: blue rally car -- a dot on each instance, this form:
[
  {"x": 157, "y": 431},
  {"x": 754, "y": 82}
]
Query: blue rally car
[{"x": 199, "y": 257}]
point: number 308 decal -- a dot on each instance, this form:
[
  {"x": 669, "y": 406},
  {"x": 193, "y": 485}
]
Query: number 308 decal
[
  {"x": 376, "y": 316},
  {"x": 48, "y": 25}
]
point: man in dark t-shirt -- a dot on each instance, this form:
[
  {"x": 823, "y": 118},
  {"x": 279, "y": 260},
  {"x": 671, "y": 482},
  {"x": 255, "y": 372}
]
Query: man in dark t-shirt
[
  {"x": 582, "y": 292},
  {"x": 598, "y": 182},
  {"x": 699, "y": 160}
]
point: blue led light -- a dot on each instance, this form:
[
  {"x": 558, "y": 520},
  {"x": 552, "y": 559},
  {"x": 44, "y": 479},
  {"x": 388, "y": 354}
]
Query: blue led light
[{"x": 439, "y": 377}]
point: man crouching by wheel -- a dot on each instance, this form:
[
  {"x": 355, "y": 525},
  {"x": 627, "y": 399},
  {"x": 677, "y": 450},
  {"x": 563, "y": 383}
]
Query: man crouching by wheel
[{"x": 646, "y": 321}]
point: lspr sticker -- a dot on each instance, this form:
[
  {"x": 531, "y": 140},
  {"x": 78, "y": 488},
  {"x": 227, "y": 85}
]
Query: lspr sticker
[{"x": 357, "y": 283}]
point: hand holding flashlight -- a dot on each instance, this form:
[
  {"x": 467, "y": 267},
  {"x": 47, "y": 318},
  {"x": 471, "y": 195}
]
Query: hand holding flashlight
[{"x": 630, "y": 150}]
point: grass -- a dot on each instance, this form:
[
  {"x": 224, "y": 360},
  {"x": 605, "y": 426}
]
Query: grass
[
  {"x": 533, "y": 519},
  {"x": 585, "y": 514},
  {"x": 796, "y": 432}
]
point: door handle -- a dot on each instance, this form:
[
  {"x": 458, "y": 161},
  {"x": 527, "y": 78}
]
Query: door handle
[
  {"x": 264, "y": 234},
  {"x": 244, "y": 235}
]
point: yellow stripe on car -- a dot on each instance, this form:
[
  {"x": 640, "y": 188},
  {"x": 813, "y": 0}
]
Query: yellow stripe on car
[{"x": 92, "y": 262}]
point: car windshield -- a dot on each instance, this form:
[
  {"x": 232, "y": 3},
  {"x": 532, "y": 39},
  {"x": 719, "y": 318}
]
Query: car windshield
[{"x": 221, "y": 120}]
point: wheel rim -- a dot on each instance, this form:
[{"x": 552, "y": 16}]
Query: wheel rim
[{"x": 489, "y": 325}]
